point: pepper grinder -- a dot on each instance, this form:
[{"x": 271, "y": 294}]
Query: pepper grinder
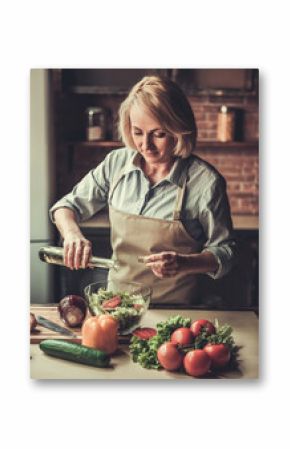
[{"x": 54, "y": 255}]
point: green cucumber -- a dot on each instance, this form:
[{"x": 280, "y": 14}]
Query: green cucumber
[{"x": 75, "y": 352}]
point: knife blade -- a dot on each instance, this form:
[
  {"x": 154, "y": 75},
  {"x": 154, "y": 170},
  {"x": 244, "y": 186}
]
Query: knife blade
[{"x": 53, "y": 326}]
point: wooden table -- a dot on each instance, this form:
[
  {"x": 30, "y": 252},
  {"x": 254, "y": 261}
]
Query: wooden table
[{"x": 244, "y": 324}]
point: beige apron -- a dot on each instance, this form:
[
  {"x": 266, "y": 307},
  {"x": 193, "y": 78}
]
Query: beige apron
[{"x": 136, "y": 235}]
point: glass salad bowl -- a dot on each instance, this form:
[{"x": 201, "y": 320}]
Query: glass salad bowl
[{"x": 127, "y": 302}]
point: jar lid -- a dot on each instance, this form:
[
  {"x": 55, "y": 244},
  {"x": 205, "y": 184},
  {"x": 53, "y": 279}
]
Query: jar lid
[
  {"x": 224, "y": 109},
  {"x": 94, "y": 110}
]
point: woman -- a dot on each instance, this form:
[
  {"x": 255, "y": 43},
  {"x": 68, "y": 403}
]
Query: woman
[{"x": 165, "y": 204}]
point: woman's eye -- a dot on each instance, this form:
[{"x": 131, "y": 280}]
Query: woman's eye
[{"x": 160, "y": 134}]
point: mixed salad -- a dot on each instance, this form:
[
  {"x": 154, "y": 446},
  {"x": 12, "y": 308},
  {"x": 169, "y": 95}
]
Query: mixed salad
[{"x": 127, "y": 307}]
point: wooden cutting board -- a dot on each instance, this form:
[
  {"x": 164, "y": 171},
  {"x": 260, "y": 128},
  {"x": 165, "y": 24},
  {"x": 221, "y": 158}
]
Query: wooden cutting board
[{"x": 51, "y": 313}]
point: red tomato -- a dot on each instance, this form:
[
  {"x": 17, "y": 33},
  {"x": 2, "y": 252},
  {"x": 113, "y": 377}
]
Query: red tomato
[
  {"x": 198, "y": 325},
  {"x": 138, "y": 306},
  {"x": 169, "y": 357},
  {"x": 112, "y": 302},
  {"x": 145, "y": 333},
  {"x": 181, "y": 336},
  {"x": 219, "y": 354},
  {"x": 196, "y": 362}
]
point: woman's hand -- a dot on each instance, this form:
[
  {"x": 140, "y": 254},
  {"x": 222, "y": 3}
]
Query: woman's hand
[
  {"x": 77, "y": 250},
  {"x": 169, "y": 263},
  {"x": 164, "y": 264}
]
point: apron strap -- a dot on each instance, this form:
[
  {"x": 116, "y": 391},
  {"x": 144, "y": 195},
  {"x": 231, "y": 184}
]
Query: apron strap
[{"x": 180, "y": 196}]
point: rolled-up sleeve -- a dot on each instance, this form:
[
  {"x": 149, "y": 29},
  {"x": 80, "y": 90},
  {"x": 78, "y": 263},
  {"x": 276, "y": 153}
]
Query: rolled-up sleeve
[
  {"x": 88, "y": 196},
  {"x": 216, "y": 221}
]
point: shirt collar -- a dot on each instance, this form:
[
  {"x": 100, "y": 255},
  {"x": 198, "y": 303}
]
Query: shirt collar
[{"x": 175, "y": 176}]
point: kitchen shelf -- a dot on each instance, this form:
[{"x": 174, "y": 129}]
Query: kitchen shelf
[
  {"x": 213, "y": 83},
  {"x": 200, "y": 145},
  {"x": 97, "y": 144},
  {"x": 190, "y": 91},
  {"x": 252, "y": 145}
]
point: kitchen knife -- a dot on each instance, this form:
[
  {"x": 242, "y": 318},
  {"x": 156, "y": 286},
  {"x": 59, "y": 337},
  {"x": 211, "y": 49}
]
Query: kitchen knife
[{"x": 54, "y": 327}]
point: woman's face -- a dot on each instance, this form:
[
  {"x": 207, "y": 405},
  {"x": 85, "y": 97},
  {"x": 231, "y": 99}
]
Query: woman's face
[{"x": 150, "y": 138}]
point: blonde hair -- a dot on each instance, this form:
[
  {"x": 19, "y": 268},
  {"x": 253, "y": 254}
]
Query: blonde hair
[{"x": 169, "y": 105}]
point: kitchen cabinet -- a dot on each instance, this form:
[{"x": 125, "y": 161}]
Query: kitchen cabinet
[
  {"x": 105, "y": 81},
  {"x": 197, "y": 81},
  {"x": 217, "y": 82}
]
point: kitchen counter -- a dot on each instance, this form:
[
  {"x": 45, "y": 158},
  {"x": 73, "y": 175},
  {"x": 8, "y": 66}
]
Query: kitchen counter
[
  {"x": 240, "y": 222},
  {"x": 245, "y": 333}
]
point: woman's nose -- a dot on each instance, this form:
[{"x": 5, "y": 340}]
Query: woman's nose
[{"x": 146, "y": 142}]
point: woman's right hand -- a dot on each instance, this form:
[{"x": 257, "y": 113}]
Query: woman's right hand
[{"x": 77, "y": 250}]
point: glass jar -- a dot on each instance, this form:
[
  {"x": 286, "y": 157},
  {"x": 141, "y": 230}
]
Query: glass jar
[
  {"x": 96, "y": 123},
  {"x": 225, "y": 125}
]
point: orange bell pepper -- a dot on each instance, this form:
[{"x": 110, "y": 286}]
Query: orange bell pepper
[{"x": 101, "y": 332}]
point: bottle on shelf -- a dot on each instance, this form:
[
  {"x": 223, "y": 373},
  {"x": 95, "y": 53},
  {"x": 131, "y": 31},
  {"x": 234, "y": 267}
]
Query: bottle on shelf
[
  {"x": 225, "y": 125},
  {"x": 96, "y": 124}
]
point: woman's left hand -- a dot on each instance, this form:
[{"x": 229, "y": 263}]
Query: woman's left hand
[
  {"x": 164, "y": 264},
  {"x": 169, "y": 263}
]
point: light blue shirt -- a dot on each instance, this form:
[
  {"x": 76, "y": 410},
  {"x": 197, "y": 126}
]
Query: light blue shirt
[{"x": 205, "y": 213}]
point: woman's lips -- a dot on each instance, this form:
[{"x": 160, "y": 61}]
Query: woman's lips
[{"x": 150, "y": 153}]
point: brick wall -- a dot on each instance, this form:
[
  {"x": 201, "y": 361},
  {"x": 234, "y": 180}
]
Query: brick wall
[
  {"x": 241, "y": 171},
  {"x": 246, "y": 116},
  {"x": 239, "y": 166}
]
